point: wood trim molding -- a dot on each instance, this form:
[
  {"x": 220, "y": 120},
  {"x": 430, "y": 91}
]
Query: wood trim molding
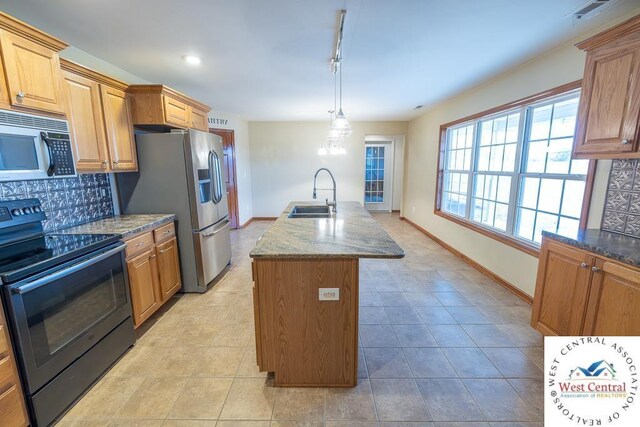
[
  {"x": 92, "y": 74},
  {"x": 258, "y": 218},
  {"x": 614, "y": 33},
  {"x": 508, "y": 240},
  {"x": 172, "y": 93},
  {"x": 504, "y": 283},
  {"x": 519, "y": 103},
  {"x": 15, "y": 26}
]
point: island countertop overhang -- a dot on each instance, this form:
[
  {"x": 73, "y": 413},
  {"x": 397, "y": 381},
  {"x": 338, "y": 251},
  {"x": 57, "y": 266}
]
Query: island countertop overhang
[{"x": 350, "y": 233}]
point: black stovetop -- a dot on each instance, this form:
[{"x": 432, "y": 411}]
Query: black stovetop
[{"x": 37, "y": 254}]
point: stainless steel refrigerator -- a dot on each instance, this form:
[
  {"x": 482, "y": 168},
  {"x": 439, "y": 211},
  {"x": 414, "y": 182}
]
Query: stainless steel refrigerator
[{"x": 182, "y": 173}]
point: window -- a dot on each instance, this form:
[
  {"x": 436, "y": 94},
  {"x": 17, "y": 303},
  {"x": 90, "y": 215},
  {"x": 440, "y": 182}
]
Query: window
[{"x": 510, "y": 173}]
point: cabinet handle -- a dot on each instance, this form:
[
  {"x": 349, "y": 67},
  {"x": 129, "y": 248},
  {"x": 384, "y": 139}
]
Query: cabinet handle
[
  {"x": 115, "y": 162},
  {"x": 584, "y": 265},
  {"x": 163, "y": 251},
  {"x": 152, "y": 256},
  {"x": 624, "y": 141},
  {"x": 595, "y": 269},
  {"x": 20, "y": 94},
  {"x": 166, "y": 232},
  {"x": 140, "y": 244}
]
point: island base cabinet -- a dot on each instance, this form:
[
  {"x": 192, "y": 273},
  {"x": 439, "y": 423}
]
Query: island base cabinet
[
  {"x": 303, "y": 340},
  {"x": 582, "y": 293}
]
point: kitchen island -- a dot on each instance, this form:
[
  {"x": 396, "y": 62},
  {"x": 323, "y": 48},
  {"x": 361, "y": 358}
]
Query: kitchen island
[{"x": 305, "y": 273}]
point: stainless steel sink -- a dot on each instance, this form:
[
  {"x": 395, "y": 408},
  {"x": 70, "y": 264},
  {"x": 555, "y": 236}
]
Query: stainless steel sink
[{"x": 319, "y": 211}]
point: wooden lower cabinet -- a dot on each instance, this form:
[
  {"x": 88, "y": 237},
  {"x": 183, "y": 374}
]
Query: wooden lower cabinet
[
  {"x": 154, "y": 271},
  {"x": 581, "y": 293},
  {"x": 143, "y": 281},
  {"x": 169, "y": 268},
  {"x": 303, "y": 340},
  {"x": 13, "y": 412}
]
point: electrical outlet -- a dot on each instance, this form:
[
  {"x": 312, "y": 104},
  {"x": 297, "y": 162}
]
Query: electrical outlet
[{"x": 329, "y": 294}]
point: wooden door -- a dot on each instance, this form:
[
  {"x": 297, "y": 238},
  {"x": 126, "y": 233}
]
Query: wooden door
[
  {"x": 32, "y": 72},
  {"x": 610, "y": 100},
  {"x": 614, "y": 304},
  {"x": 176, "y": 112},
  {"x": 143, "y": 282},
  {"x": 169, "y": 268},
  {"x": 562, "y": 289},
  {"x": 117, "y": 119},
  {"x": 84, "y": 111},
  {"x": 228, "y": 142},
  {"x": 199, "y": 119}
]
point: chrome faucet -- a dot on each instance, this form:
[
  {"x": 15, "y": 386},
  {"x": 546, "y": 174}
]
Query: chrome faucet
[{"x": 332, "y": 204}]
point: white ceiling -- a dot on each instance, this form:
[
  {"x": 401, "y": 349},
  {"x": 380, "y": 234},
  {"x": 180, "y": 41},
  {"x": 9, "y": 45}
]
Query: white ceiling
[{"x": 268, "y": 59}]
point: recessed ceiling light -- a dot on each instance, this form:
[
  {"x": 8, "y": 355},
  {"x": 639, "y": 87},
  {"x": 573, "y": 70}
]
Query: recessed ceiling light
[{"x": 192, "y": 60}]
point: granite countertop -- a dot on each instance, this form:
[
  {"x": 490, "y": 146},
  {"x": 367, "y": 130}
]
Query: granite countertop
[
  {"x": 611, "y": 245},
  {"x": 124, "y": 225},
  {"x": 351, "y": 233}
]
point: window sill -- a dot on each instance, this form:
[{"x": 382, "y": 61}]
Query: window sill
[{"x": 507, "y": 240}]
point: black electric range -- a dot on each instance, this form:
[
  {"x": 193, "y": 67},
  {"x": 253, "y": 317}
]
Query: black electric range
[{"x": 68, "y": 305}]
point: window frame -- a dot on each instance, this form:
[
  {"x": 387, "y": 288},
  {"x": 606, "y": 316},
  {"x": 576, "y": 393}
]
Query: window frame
[{"x": 518, "y": 105}]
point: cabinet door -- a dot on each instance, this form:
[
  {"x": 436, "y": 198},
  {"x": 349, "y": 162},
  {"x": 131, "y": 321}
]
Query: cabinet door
[
  {"x": 614, "y": 304},
  {"x": 32, "y": 72},
  {"x": 169, "y": 267},
  {"x": 143, "y": 282},
  {"x": 176, "y": 112},
  {"x": 4, "y": 91},
  {"x": 117, "y": 118},
  {"x": 199, "y": 119},
  {"x": 610, "y": 101},
  {"x": 84, "y": 111},
  {"x": 562, "y": 288}
]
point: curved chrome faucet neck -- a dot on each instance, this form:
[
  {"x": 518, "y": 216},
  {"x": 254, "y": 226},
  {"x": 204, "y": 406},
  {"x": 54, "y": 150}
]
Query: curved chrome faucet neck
[{"x": 315, "y": 177}]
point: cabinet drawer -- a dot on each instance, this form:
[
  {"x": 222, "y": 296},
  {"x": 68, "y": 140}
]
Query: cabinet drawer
[
  {"x": 139, "y": 245},
  {"x": 11, "y": 408},
  {"x": 4, "y": 344},
  {"x": 164, "y": 233}
]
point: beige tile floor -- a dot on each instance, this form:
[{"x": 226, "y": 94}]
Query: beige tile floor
[{"x": 442, "y": 345}]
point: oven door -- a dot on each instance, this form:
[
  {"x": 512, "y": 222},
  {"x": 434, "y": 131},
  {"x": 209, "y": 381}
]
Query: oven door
[
  {"x": 59, "y": 316},
  {"x": 23, "y": 154}
]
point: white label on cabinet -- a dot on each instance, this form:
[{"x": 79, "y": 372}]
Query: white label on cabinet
[{"x": 329, "y": 294}]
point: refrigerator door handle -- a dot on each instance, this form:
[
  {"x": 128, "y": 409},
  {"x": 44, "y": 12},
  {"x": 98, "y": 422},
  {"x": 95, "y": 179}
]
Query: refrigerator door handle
[
  {"x": 218, "y": 178},
  {"x": 212, "y": 183},
  {"x": 214, "y": 232}
]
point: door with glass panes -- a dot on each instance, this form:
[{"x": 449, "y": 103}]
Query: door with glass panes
[{"x": 377, "y": 176}]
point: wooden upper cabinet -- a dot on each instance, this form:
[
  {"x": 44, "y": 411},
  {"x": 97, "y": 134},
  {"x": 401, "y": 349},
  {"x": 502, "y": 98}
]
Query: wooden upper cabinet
[
  {"x": 117, "y": 118},
  {"x": 159, "y": 107},
  {"x": 614, "y": 304},
  {"x": 84, "y": 111},
  {"x": 609, "y": 112},
  {"x": 175, "y": 112},
  {"x": 4, "y": 91},
  {"x": 199, "y": 119},
  {"x": 562, "y": 289},
  {"x": 31, "y": 67}
]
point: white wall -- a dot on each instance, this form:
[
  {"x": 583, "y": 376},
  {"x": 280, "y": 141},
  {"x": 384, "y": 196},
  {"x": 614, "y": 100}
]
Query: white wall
[
  {"x": 284, "y": 158},
  {"x": 74, "y": 54},
  {"x": 561, "y": 65},
  {"x": 243, "y": 159}
]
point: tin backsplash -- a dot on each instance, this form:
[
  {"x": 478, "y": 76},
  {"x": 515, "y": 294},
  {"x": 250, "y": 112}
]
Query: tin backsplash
[
  {"x": 66, "y": 201},
  {"x": 622, "y": 204}
]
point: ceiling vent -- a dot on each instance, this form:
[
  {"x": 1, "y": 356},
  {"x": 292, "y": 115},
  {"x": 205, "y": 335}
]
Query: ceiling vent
[{"x": 592, "y": 8}]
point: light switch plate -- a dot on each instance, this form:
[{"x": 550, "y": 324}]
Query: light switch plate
[{"x": 329, "y": 294}]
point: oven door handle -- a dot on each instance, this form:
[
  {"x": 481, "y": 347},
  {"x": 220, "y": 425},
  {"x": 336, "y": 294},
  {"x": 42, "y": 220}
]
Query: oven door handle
[{"x": 66, "y": 271}]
